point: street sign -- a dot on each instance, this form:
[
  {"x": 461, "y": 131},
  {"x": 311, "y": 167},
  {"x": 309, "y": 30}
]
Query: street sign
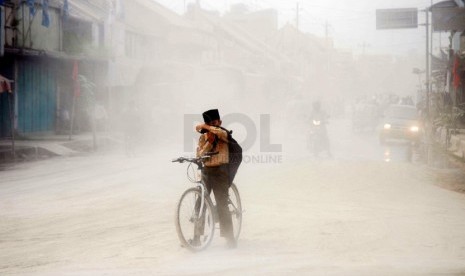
[{"x": 405, "y": 18}]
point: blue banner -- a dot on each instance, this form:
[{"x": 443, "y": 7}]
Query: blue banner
[
  {"x": 45, "y": 15},
  {"x": 66, "y": 9},
  {"x": 32, "y": 8}
]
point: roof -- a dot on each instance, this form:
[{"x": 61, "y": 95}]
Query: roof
[
  {"x": 289, "y": 38},
  {"x": 150, "y": 18},
  {"x": 443, "y": 4},
  {"x": 243, "y": 37},
  {"x": 168, "y": 15},
  {"x": 95, "y": 10},
  {"x": 448, "y": 4}
]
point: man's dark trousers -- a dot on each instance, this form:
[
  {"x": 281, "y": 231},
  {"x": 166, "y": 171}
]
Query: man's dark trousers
[{"x": 217, "y": 179}]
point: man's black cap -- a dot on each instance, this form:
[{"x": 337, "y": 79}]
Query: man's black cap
[{"x": 211, "y": 115}]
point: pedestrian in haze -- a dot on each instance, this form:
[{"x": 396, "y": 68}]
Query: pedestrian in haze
[{"x": 131, "y": 127}]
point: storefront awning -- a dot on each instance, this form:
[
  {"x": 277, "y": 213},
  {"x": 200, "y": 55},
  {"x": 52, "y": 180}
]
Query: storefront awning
[{"x": 447, "y": 16}]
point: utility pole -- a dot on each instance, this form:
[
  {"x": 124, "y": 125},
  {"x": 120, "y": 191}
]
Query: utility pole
[
  {"x": 431, "y": 48},
  {"x": 297, "y": 15},
  {"x": 364, "y": 45},
  {"x": 326, "y": 32},
  {"x": 428, "y": 129},
  {"x": 427, "y": 73}
]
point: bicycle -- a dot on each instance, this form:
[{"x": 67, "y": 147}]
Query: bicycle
[{"x": 196, "y": 214}]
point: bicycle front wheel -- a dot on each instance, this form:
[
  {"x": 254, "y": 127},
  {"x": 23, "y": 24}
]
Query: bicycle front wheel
[
  {"x": 195, "y": 227},
  {"x": 235, "y": 207}
]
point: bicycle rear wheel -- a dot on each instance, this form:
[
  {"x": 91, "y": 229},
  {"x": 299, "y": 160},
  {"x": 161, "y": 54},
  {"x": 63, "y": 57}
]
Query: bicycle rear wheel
[
  {"x": 195, "y": 230},
  {"x": 235, "y": 207}
]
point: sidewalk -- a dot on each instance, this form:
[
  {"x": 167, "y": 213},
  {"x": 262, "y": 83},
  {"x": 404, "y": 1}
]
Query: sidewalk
[
  {"x": 44, "y": 146},
  {"x": 454, "y": 143}
]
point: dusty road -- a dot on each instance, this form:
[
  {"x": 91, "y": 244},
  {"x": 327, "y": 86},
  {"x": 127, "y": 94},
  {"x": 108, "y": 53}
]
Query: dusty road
[{"x": 110, "y": 215}]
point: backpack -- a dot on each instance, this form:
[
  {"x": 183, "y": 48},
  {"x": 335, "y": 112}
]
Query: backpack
[{"x": 235, "y": 155}]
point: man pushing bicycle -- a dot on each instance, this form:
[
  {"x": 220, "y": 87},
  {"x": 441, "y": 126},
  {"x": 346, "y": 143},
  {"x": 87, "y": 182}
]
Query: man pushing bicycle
[{"x": 215, "y": 172}]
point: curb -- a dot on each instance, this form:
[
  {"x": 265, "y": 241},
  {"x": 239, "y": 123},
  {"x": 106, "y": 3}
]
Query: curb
[{"x": 52, "y": 146}]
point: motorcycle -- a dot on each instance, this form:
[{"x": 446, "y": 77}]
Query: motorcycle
[{"x": 318, "y": 140}]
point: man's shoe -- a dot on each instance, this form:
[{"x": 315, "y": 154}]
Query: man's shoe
[
  {"x": 195, "y": 241},
  {"x": 231, "y": 243}
]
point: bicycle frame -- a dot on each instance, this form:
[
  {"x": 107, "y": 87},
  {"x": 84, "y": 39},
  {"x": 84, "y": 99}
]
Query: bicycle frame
[
  {"x": 202, "y": 198},
  {"x": 200, "y": 184}
]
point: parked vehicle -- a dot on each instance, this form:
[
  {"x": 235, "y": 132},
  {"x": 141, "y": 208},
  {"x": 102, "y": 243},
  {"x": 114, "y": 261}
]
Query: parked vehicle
[{"x": 400, "y": 122}]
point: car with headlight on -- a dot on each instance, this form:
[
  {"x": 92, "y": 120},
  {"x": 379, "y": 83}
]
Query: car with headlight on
[{"x": 400, "y": 122}]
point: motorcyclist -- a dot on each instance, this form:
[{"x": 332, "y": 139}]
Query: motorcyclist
[
  {"x": 318, "y": 138},
  {"x": 317, "y": 113}
]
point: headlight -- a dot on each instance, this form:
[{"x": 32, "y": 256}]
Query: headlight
[
  {"x": 387, "y": 126},
  {"x": 414, "y": 129}
]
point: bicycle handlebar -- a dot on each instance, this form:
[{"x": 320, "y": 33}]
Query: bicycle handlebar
[
  {"x": 195, "y": 160},
  {"x": 185, "y": 159}
]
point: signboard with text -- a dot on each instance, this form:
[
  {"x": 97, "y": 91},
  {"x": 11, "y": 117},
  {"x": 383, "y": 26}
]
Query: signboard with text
[{"x": 406, "y": 18}]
